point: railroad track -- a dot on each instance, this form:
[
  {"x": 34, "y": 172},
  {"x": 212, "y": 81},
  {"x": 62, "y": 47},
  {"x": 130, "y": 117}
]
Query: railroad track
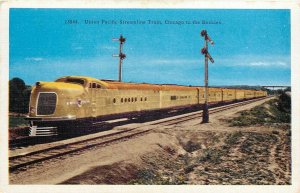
[
  {"x": 19, "y": 161},
  {"x": 24, "y": 160}
]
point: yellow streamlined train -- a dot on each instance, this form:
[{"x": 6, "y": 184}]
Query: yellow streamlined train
[{"x": 77, "y": 99}]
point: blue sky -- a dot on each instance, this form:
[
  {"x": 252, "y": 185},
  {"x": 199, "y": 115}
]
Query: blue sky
[{"x": 252, "y": 47}]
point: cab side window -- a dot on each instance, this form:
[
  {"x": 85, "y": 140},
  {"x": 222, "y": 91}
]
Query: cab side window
[{"x": 94, "y": 85}]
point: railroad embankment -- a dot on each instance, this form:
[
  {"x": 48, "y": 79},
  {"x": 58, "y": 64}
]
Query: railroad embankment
[{"x": 252, "y": 146}]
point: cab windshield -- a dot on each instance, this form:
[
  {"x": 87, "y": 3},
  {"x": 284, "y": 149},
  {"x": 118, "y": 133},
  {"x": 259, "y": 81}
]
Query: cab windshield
[
  {"x": 71, "y": 80},
  {"x": 75, "y": 80}
]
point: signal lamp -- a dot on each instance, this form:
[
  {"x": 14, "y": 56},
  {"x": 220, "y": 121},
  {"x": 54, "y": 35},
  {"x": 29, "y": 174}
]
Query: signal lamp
[
  {"x": 122, "y": 56},
  {"x": 203, "y": 33},
  {"x": 122, "y": 40},
  {"x": 204, "y": 50}
]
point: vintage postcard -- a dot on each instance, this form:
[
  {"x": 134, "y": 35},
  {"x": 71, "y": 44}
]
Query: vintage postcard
[{"x": 149, "y": 96}]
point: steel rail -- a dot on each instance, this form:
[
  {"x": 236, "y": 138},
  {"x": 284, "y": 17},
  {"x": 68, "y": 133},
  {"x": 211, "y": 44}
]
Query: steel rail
[{"x": 43, "y": 155}]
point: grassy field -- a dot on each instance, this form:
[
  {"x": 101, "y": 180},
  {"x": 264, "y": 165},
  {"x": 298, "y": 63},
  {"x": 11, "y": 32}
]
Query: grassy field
[{"x": 274, "y": 112}]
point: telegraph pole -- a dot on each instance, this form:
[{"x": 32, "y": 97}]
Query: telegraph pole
[
  {"x": 204, "y": 51},
  {"x": 121, "y": 55}
]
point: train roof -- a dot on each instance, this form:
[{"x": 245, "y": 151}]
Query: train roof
[
  {"x": 145, "y": 86},
  {"x": 112, "y": 84}
]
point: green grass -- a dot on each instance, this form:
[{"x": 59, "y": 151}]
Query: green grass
[
  {"x": 233, "y": 138},
  {"x": 16, "y": 121},
  {"x": 212, "y": 155},
  {"x": 273, "y": 111},
  {"x": 257, "y": 115}
]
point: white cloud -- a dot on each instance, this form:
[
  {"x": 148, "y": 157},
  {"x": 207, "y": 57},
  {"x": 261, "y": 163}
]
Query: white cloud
[
  {"x": 255, "y": 61},
  {"x": 237, "y": 60},
  {"x": 263, "y": 63},
  {"x": 36, "y": 59},
  {"x": 78, "y": 48},
  {"x": 108, "y": 47}
]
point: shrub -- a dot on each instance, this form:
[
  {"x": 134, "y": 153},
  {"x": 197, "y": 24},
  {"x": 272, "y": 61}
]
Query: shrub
[
  {"x": 211, "y": 155},
  {"x": 191, "y": 146},
  {"x": 233, "y": 138},
  {"x": 278, "y": 111}
]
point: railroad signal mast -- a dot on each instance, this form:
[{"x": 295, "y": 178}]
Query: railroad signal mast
[
  {"x": 207, "y": 56},
  {"x": 121, "y": 55}
]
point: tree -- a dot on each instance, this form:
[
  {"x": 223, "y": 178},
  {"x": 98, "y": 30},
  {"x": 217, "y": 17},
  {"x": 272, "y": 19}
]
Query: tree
[
  {"x": 288, "y": 89},
  {"x": 284, "y": 103},
  {"x": 19, "y": 96}
]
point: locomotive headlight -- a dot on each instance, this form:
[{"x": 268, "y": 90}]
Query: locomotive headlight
[{"x": 70, "y": 116}]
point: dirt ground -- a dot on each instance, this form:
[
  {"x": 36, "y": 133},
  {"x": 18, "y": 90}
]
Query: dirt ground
[{"x": 188, "y": 153}]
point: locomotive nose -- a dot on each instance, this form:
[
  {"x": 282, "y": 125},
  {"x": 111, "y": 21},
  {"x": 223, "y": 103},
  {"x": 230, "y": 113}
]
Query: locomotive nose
[
  {"x": 54, "y": 98},
  {"x": 53, "y": 103}
]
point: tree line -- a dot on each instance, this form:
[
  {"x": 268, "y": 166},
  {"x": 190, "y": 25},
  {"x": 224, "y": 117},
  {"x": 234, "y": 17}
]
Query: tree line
[{"x": 19, "y": 96}]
